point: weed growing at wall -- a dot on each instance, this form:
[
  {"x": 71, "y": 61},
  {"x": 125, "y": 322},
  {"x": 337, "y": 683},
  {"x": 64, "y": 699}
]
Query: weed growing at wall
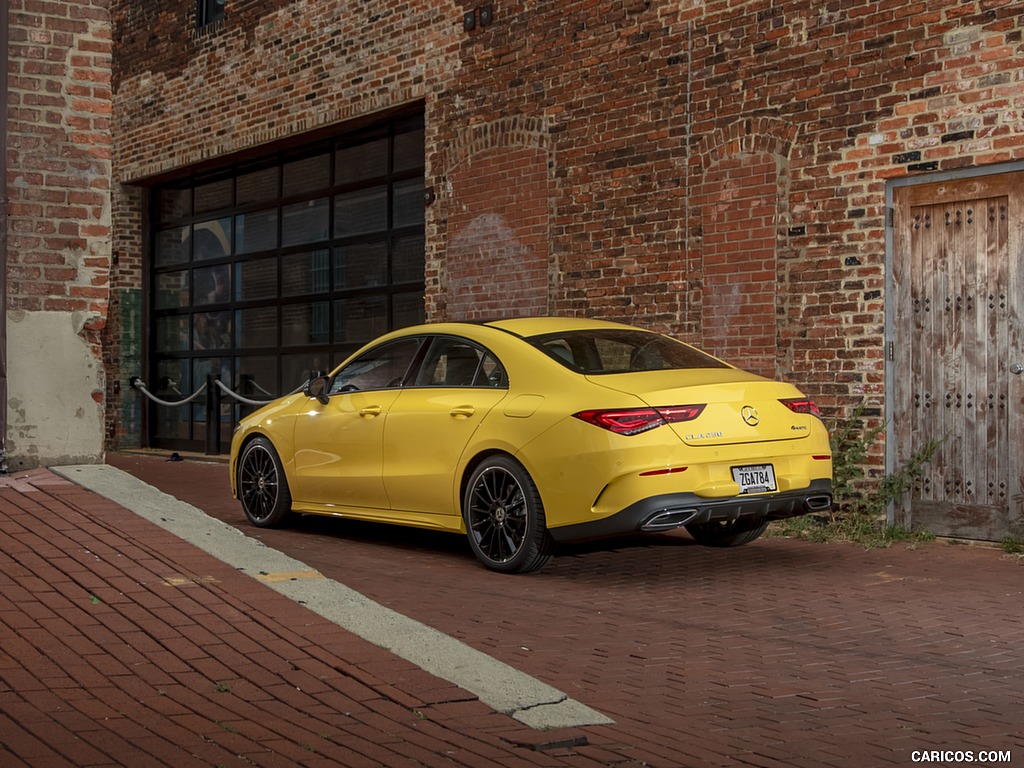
[
  {"x": 859, "y": 511},
  {"x": 851, "y": 443},
  {"x": 1013, "y": 545}
]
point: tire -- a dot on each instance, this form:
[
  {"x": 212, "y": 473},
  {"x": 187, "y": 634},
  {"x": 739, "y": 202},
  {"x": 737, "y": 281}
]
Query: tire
[
  {"x": 504, "y": 517},
  {"x": 732, "y": 533},
  {"x": 262, "y": 485}
]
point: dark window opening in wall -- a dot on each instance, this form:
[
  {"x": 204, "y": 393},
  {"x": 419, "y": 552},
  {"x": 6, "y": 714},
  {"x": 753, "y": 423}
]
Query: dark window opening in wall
[
  {"x": 209, "y": 11},
  {"x": 264, "y": 272}
]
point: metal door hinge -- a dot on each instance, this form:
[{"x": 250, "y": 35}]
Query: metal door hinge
[
  {"x": 890, "y": 217},
  {"x": 891, "y": 353}
]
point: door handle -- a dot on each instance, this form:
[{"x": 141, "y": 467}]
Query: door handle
[
  {"x": 370, "y": 411},
  {"x": 463, "y": 411},
  {"x": 1017, "y": 369}
]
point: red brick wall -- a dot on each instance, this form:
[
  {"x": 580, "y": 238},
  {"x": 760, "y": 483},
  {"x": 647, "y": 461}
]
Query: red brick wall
[
  {"x": 497, "y": 255},
  {"x": 270, "y": 71},
  {"x": 740, "y": 197},
  {"x": 854, "y": 94},
  {"x": 606, "y": 80},
  {"x": 59, "y": 151},
  {"x": 59, "y": 228},
  {"x": 644, "y": 115}
]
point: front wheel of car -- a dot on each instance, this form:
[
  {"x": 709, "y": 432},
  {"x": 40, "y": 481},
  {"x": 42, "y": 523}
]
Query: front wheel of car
[
  {"x": 504, "y": 517},
  {"x": 262, "y": 485},
  {"x": 728, "y": 533}
]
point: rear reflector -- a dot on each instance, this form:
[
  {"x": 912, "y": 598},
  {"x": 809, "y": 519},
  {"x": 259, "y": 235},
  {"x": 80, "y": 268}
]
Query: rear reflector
[
  {"x": 802, "y": 405},
  {"x": 665, "y": 471},
  {"x": 633, "y": 421}
]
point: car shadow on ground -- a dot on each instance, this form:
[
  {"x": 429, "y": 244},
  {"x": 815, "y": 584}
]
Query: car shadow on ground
[
  {"x": 382, "y": 534},
  {"x": 671, "y": 555},
  {"x": 423, "y": 539},
  {"x": 624, "y": 555},
  {"x": 353, "y": 551}
]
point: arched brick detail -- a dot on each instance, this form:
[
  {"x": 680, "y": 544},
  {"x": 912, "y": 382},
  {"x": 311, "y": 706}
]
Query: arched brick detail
[
  {"x": 513, "y": 131},
  {"x": 741, "y": 199},
  {"x": 752, "y": 136},
  {"x": 496, "y": 261}
]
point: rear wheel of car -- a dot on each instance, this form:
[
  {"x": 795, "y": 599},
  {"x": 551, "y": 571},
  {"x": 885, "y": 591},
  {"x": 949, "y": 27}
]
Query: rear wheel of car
[
  {"x": 728, "y": 533},
  {"x": 504, "y": 517},
  {"x": 262, "y": 486}
]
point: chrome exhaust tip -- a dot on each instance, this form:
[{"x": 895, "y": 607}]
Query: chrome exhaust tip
[
  {"x": 818, "y": 503},
  {"x": 667, "y": 519}
]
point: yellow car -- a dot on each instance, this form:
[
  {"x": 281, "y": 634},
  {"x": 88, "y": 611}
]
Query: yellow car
[{"x": 526, "y": 432}]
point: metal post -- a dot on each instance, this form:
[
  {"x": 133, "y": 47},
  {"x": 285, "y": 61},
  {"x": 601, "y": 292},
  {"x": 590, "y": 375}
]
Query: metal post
[
  {"x": 212, "y": 416},
  {"x": 218, "y": 400}
]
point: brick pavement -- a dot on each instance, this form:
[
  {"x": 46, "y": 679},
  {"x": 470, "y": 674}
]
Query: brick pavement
[
  {"x": 778, "y": 653},
  {"x": 122, "y": 645}
]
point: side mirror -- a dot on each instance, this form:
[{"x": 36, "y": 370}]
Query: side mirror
[{"x": 317, "y": 387}]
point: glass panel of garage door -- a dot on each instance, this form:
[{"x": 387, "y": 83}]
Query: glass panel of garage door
[
  {"x": 361, "y": 212},
  {"x": 325, "y": 240}
]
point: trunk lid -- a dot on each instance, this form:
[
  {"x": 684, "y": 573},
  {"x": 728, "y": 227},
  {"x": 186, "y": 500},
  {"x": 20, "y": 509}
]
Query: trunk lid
[{"x": 740, "y": 407}]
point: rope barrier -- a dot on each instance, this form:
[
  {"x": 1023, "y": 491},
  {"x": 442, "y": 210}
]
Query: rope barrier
[
  {"x": 136, "y": 383},
  {"x": 261, "y": 389},
  {"x": 215, "y": 417},
  {"x": 223, "y": 388}
]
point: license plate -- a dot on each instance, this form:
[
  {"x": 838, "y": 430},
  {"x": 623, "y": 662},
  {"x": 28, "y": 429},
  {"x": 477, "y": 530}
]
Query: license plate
[{"x": 759, "y": 478}]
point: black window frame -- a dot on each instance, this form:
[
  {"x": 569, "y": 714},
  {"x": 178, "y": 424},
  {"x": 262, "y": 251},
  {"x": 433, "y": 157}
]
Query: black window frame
[
  {"x": 209, "y": 12},
  {"x": 340, "y": 311}
]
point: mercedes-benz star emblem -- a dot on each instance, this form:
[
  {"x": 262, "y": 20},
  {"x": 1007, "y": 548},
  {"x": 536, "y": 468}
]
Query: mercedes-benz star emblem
[{"x": 750, "y": 416}]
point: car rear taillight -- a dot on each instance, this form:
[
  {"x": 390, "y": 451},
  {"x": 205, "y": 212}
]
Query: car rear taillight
[
  {"x": 802, "y": 405},
  {"x": 633, "y": 421}
]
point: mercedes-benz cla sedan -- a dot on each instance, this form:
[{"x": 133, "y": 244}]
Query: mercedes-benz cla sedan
[{"x": 527, "y": 432}]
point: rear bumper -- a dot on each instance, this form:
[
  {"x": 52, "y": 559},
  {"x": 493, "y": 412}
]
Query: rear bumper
[{"x": 664, "y": 513}]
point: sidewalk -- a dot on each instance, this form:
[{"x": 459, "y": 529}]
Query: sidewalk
[{"x": 123, "y": 645}]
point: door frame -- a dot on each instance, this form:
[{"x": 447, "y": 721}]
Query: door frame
[{"x": 960, "y": 174}]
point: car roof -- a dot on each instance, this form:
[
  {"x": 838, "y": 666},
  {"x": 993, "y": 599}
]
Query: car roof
[
  {"x": 536, "y": 326},
  {"x": 518, "y": 327}
]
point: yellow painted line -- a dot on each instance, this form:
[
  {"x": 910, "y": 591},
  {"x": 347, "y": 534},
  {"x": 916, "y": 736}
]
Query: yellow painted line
[
  {"x": 273, "y": 578},
  {"x": 183, "y": 581}
]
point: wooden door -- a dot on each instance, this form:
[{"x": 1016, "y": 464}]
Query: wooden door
[{"x": 954, "y": 351}]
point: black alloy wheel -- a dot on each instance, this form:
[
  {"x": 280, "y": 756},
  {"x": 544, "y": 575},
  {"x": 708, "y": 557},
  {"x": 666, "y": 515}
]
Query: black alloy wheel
[
  {"x": 262, "y": 486},
  {"x": 504, "y": 517}
]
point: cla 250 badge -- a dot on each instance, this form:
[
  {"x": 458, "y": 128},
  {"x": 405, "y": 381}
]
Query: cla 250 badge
[{"x": 705, "y": 436}]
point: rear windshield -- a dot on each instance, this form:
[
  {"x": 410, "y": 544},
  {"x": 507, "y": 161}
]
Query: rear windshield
[{"x": 621, "y": 351}]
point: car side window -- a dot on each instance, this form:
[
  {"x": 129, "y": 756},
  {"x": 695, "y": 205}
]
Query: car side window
[
  {"x": 382, "y": 367},
  {"x": 452, "y": 362},
  {"x": 491, "y": 373}
]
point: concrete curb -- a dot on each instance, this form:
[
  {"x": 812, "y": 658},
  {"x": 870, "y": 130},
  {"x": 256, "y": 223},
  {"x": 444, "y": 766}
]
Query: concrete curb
[{"x": 503, "y": 688}]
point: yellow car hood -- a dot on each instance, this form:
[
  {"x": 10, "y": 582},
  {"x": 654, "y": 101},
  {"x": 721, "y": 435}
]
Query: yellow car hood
[{"x": 740, "y": 407}]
